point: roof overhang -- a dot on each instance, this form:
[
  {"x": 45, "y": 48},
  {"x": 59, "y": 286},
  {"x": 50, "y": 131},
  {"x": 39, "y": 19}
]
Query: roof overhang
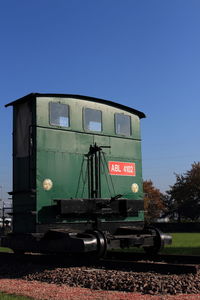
[{"x": 88, "y": 98}]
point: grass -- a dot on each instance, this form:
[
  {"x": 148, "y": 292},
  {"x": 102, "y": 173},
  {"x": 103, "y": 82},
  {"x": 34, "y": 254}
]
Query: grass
[
  {"x": 4, "y": 296},
  {"x": 3, "y": 249},
  {"x": 184, "y": 244}
]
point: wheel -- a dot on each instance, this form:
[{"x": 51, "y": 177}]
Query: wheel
[
  {"x": 101, "y": 243},
  {"x": 158, "y": 241}
]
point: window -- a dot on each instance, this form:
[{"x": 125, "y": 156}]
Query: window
[
  {"x": 123, "y": 124},
  {"x": 92, "y": 119},
  {"x": 59, "y": 114}
]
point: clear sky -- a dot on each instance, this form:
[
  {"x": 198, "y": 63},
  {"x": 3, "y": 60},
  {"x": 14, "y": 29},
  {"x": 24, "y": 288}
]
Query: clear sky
[{"x": 141, "y": 53}]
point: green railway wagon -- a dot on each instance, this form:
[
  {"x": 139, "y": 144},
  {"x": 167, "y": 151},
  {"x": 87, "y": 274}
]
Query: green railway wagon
[{"x": 77, "y": 176}]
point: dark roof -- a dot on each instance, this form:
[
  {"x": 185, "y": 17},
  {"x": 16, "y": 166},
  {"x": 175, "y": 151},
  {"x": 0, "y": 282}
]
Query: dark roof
[{"x": 108, "y": 102}]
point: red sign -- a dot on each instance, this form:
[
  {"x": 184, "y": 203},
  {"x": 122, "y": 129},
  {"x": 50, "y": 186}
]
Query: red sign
[{"x": 121, "y": 168}]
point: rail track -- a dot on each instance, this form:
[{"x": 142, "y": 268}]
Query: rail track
[
  {"x": 186, "y": 259},
  {"x": 162, "y": 264},
  {"x": 119, "y": 261}
]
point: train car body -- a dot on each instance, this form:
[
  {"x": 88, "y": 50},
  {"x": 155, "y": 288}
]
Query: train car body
[{"x": 77, "y": 176}]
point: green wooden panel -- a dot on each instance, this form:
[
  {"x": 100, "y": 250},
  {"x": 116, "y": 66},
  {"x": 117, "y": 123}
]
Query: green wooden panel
[
  {"x": 61, "y": 156},
  {"x": 65, "y": 164},
  {"x": 125, "y": 148}
]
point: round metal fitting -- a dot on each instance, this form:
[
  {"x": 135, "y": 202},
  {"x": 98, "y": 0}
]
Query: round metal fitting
[
  {"x": 135, "y": 188},
  {"x": 47, "y": 184}
]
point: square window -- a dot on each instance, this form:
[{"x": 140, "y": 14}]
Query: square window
[
  {"x": 59, "y": 114},
  {"x": 92, "y": 119},
  {"x": 123, "y": 124}
]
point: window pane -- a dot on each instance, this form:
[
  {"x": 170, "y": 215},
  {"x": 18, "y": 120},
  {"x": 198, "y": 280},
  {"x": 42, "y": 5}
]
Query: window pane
[
  {"x": 123, "y": 124},
  {"x": 92, "y": 119},
  {"x": 59, "y": 114}
]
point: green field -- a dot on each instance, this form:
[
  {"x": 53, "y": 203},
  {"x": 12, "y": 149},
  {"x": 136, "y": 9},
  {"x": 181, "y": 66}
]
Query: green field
[
  {"x": 184, "y": 243},
  {"x": 4, "y": 296},
  {"x": 2, "y": 249}
]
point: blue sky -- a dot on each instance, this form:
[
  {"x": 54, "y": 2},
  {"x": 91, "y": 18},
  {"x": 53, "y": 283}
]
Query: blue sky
[{"x": 142, "y": 53}]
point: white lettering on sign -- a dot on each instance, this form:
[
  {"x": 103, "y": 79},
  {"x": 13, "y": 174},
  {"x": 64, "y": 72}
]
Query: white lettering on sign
[
  {"x": 115, "y": 168},
  {"x": 128, "y": 169}
]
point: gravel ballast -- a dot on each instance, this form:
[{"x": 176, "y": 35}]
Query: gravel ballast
[
  {"x": 112, "y": 280},
  {"x": 97, "y": 279}
]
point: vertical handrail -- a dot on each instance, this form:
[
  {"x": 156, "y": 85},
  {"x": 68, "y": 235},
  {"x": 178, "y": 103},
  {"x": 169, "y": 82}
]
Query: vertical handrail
[{"x": 94, "y": 170}]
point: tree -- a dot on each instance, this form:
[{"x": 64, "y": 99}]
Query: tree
[
  {"x": 153, "y": 203},
  {"x": 184, "y": 195}
]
